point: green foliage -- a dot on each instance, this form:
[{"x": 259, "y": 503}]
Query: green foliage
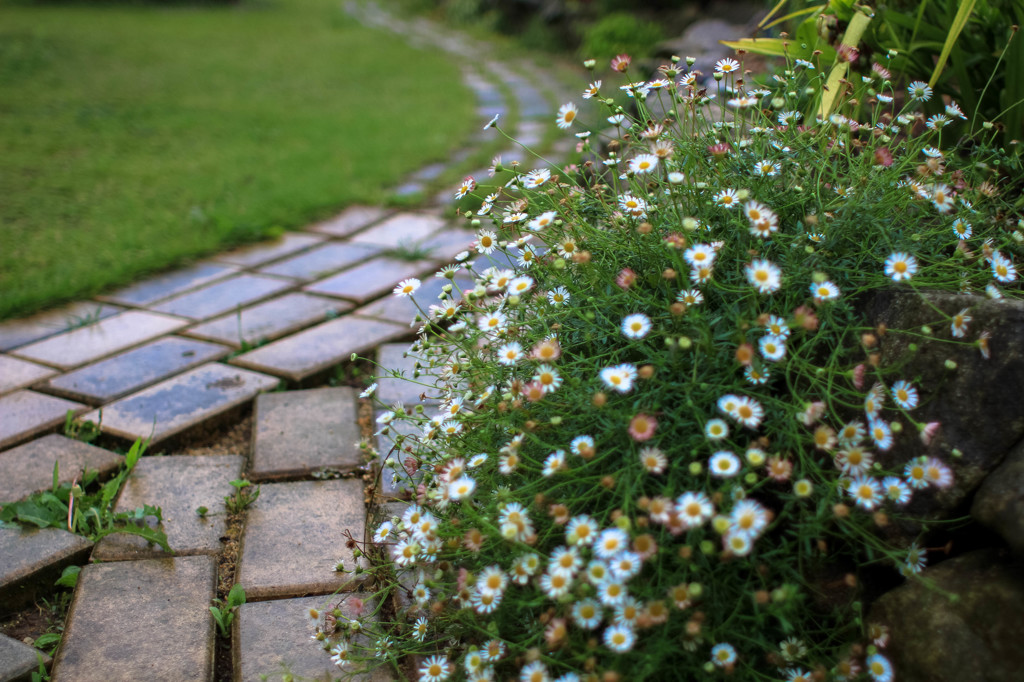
[
  {"x": 242, "y": 498},
  {"x": 84, "y": 430},
  {"x": 73, "y": 507},
  {"x": 620, "y": 33},
  {"x": 671, "y": 409},
  {"x": 965, "y": 49},
  {"x": 240, "y": 123},
  {"x": 40, "y": 674},
  {"x": 69, "y": 577},
  {"x": 224, "y": 611},
  {"x": 77, "y": 321},
  {"x": 985, "y": 67},
  {"x": 410, "y": 251}
]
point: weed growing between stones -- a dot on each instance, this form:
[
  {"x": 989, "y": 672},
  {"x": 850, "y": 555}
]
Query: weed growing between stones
[
  {"x": 661, "y": 447},
  {"x": 244, "y": 496},
  {"x": 85, "y": 507}
]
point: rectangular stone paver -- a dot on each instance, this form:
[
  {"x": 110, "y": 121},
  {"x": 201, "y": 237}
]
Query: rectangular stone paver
[
  {"x": 268, "y": 320},
  {"x": 350, "y": 220},
  {"x": 95, "y": 341},
  {"x": 222, "y": 297},
  {"x": 444, "y": 245},
  {"x": 370, "y": 280},
  {"x": 404, "y": 309},
  {"x": 33, "y": 559},
  {"x": 19, "y": 660},
  {"x": 169, "y": 284},
  {"x": 28, "y": 468},
  {"x": 15, "y": 373},
  {"x": 394, "y": 481},
  {"x": 399, "y": 229},
  {"x": 135, "y": 369},
  {"x": 319, "y": 348},
  {"x": 178, "y": 485},
  {"x": 182, "y": 402},
  {"x": 322, "y": 260},
  {"x": 298, "y": 432},
  {"x": 406, "y": 390},
  {"x": 140, "y": 620},
  {"x": 295, "y": 536},
  {"x": 252, "y": 256},
  {"x": 26, "y": 413},
  {"x": 273, "y": 636},
  {"x": 15, "y": 333}
]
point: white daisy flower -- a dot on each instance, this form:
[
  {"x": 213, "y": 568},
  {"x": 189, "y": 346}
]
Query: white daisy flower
[
  {"x": 636, "y": 326},
  {"x": 566, "y": 115}
]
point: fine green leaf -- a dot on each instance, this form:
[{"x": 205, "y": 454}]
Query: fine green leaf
[
  {"x": 793, "y": 15},
  {"x": 236, "y": 597},
  {"x": 963, "y": 14},
  {"x": 771, "y": 13},
  {"x": 69, "y": 578},
  {"x": 854, "y": 32},
  {"x": 46, "y": 639},
  {"x": 157, "y": 537}
]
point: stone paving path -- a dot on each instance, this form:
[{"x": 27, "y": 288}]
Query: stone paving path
[{"x": 204, "y": 345}]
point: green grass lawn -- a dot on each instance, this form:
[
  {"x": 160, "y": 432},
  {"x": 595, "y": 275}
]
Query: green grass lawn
[{"x": 133, "y": 138}]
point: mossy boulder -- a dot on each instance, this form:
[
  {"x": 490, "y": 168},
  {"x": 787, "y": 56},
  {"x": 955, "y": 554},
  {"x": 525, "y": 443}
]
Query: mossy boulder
[
  {"x": 975, "y": 399},
  {"x": 999, "y": 503},
  {"x": 974, "y": 636}
]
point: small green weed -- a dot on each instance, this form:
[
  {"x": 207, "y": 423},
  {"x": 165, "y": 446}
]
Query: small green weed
[
  {"x": 54, "y": 610},
  {"x": 410, "y": 252},
  {"x": 83, "y": 430},
  {"x": 69, "y": 577},
  {"x": 70, "y": 506},
  {"x": 224, "y": 611},
  {"x": 41, "y": 673},
  {"x": 242, "y": 498},
  {"x": 76, "y": 321}
]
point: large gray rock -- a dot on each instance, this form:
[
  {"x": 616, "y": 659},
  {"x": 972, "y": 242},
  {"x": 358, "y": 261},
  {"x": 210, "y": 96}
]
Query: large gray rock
[
  {"x": 974, "y": 636},
  {"x": 999, "y": 503},
  {"x": 978, "y": 403}
]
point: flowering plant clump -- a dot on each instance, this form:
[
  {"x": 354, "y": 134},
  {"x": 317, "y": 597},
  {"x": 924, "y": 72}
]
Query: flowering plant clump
[{"x": 656, "y": 454}]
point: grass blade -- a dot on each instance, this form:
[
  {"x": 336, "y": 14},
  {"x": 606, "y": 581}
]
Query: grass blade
[
  {"x": 963, "y": 14},
  {"x": 854, "y": 32}
]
